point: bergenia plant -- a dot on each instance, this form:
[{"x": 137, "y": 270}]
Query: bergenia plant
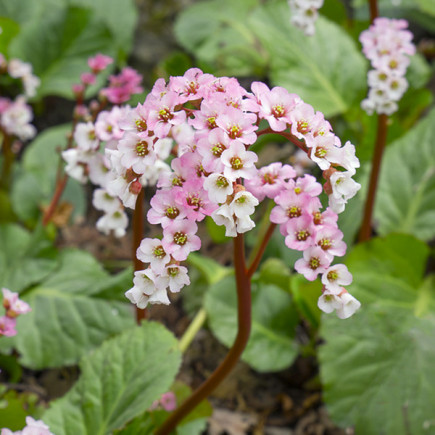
[{"x": 213, "y": 123}]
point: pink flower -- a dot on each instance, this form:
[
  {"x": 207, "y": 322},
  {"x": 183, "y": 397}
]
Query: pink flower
[
  {"x": 191, "y": 86},
  {"x": 123, "y": 86},
  {"x": 7, "y": 326},
  {"x": 168, "y": 401},
  {"x": 300, "y": 233},
  {"x": 274, "y": 105},
  {"x": 13, "y": 305},
  {"x": 164, "y": 208},
  {"x": 329, "y": 238},
  {"x": 99, "y": 62},
  {"x": 194, "y": 200},
  {"x": 270, "y": 180},
  {"x": 87, "y": 78},
  {"x": 162, "y": 113},
  {"x": 238, "y": 125},
  {"x": 314, "y": 261},
  {"x": 179, "y": 239}
]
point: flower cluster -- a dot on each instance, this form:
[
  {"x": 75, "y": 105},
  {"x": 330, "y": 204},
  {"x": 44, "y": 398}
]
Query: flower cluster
[
  {"x": 16, "y": 115},
  {"x": 304, "y": 14},
  {"x": 388, "y": 46},
  {"x": 33, "y": 427},
  {"x": 213, "y": 122},
  {"x": 99, "y": 130},
  {"x": 14, "y": 307}
]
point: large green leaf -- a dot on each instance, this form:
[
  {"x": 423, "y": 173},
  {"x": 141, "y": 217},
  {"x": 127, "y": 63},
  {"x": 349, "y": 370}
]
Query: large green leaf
[
  {"x": 326, "y": 70},
  {"x": 59, "y": 49},
  {"x": 118, "y": 15},
  {"x": 35, "y": 184},
  {"x": 272, "y": 345},
  {"x": 217, "y": 32},
  {"x": 405, "y": 200},
  {"x": 25, "y": 258},
  {"x": 377, "y": 367},
  {"x": 118, "y": 381},
  {"x": 68, "y": 316}
]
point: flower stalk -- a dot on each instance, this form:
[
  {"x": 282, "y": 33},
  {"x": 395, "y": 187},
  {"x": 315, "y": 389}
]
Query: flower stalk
[
  {"x": 244, "y": 328},
  {"x": 138, "y": 219},
  {"x": 381, "y": 139}
]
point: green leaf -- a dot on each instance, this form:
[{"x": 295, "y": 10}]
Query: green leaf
[
  {"x": 10, "y": 29},
  {"x": 272, "y": 346},
  {"x": 119, "y": 16},
  {"x": 68, "y": 316},
  {"x": 275, "y": 271},
  {"x": 25, "y": 258},
  {"x": 405, "y": 200},
  {"x": 59, "y": 49},
  {"x": 326, "y": 70},
  {"x": 377, "y": 367},
  {"x": 428, "y": 6},
  {"x": 118, "y": 382},
  {"x": 210, "y": 269},
  {"x": 305, "y": 295},
  {"x": 217, "y": 32},
  {"x": 418, "y": 72},
  {"x": 35, "y": 184}
]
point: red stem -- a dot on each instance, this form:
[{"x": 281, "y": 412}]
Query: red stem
[
  {"x": 138, "y": 220},
  {"x": 60, "y": 187},
  {"x": 381, "y": 139},
  {"x": 244, "y": 328},
  {"x": 8, "y": 160},
  {"x": 293, "y": 139},
  {"x": 374, "y": 13},
  {"x": 256, "y": 261}
]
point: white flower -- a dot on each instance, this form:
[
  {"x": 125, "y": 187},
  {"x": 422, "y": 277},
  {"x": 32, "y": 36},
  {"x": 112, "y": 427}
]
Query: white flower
[
  {"x": 177, "y": 277},
  {"x": 102, "y": 200},
  {"x": 116, "y": 221},
  {"x": 224, "y": 216},
  {"x": 329, "y": 302},
  {"x": 152, "y": 251},
  {"x": 85, "y": 137},
  {"x": 218, "y": 187},
  {"x": 349, "y": 305},
  {"x": 343, "y": 186},
  {"x": 243, "y": 204}
]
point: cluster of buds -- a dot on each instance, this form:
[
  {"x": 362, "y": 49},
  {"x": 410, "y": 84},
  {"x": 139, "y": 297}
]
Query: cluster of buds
[
  {"x": 304, "y": 14},
  {"x": 33, "y": 427},
  {"x": 98, "y": 130},
  {"x": 16, "y": 115},
  {"x": 14, "y": 307},
  {"x": 388, "y": 46},
  {"x": 213, "y": 122}
]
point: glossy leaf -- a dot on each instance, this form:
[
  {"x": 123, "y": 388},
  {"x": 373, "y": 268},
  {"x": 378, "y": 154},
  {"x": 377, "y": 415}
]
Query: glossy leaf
[
  {"x": 326, "y": 70},
  {"x": 68, "y": 317},
  {"x": 405, "y": 200},
  {"x": 59, "y": 49},
  {"x": 377, "y": 366},
  {"x": 271, "y": 346},
  {"x": 118, "y": 381},
  {"x": 25, "y": 258}
]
